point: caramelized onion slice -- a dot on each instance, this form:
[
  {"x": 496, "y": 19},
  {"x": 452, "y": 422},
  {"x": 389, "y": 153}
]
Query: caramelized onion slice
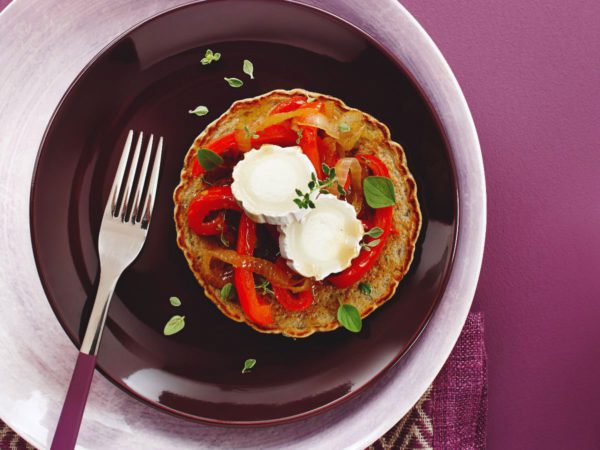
[
  {"x": 318, "y": 120},
  {"x": 276, "y": 276},
  {"x": 351, "y": 167},
  {"x": 352, "y": 121},
  {"x": 274, "y": 119}
]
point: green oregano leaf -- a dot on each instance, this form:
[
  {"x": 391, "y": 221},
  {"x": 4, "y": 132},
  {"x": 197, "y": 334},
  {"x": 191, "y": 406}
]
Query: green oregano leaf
[
  {"x": 374, "y": 232},
  {"x": 209, "y": 57},
  {"x": 379, "y": 192},
  {"x": 349, "y": 317},
  {"x": 248, "y": 364},
  {"x": 208, "y": 159},
  {"x": 365, "y": 288},
  {"x": 344, "y": 127},
  {"x": 248, "y": 68},
  {"x": 199, "y": 111},
  {"x": 249, "y": 134},
  {"x": 234, "y": 82},
  {"x": 175, "y": 301},
  {"x": 226, "y": 291},
  {"x": 174, "y": 325}
]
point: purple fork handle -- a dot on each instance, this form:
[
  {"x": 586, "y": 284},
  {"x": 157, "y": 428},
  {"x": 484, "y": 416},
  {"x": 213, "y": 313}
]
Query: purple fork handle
[{"x": 67, "y": 429}]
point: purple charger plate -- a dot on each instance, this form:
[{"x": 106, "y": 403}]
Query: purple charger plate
[
  {"x": 148, "y": 79},
  {"x": 455, "y": 121}
]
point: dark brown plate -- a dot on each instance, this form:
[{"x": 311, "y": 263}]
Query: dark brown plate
[{"x": 148, "y": 80}]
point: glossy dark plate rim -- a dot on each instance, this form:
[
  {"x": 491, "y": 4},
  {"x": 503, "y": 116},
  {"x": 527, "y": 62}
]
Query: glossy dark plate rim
[{"x": 342, "y": 399}]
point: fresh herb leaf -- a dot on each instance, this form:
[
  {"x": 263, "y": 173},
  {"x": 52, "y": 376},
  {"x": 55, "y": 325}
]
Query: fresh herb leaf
[
  {"x": 341, "y": 190},
  {"x": 174, "y": 325},
  {"x": 234, "y": 82},
  {"x": 209, "y": 57},
  {"x": 365, "y": 288},
  {"x": 379, "y": 192},
  {"x": 344, "y": 127},
  {"x": 175, "y": 301},
  {"x": 248, "y": 68},
  {"x": 199, "y": 111},
  {"x": 265, "y": 287},
  {"x": 249, "y": 134},
  {"x": 367, "y": 246},
  {"x": 248, "y": 364},
  {"x": 299, "y": 133},
  {"x": 208, "y": 159},
  {"x": 304, "y": 200},
  {"x": 226, "y": 292},
  {"x": 374, "y": 232},
  {"x": 349, "y": 317}
]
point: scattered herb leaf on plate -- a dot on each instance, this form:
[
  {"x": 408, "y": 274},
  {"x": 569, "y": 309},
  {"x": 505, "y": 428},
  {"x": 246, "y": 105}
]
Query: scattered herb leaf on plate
[
  {"x": 174, "y": 325},
  {"x": 248, "y": 364},
  {"x": 209, "y": 57},
  {"x": 199, "y": 110},
  {"x": 234, "y": 82},
  {"x": 175, "y": 301},
  {"x": 249, "y": 68}
]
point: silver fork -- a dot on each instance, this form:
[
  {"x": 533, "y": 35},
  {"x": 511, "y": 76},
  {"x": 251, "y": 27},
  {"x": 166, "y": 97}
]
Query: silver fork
[{"x": 121, "y": 239}]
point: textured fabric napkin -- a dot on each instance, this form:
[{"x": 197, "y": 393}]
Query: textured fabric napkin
[{"x": 451, "y": 415}]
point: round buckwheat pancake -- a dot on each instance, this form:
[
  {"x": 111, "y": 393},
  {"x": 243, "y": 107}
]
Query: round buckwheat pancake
[{"x": 391, "y": 266}]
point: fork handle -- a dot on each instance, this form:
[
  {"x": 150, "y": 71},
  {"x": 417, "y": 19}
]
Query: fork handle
[{"x": 67, "y": 429}]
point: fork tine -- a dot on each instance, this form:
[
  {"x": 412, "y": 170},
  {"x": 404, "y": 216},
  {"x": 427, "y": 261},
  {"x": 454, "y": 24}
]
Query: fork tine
[
  {"x": 130, "y": 176},
  {"x": 116, "y": 186},
  {"x": 142, "y": 181},
  {"x": 149, "y": 203}
]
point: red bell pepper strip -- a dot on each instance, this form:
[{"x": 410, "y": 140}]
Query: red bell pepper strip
[
  {"x": 294, "y": 103},
  {"x": 278, "y": 134},
  {"x": 382, "y": 219},
  {"x": 291, "y": 302},
  {"x": 259, "y": 312},
  {"x": 308, "y": 143},
  {"x": 212, "y": 199},
  {"x": 219, "y": 146}
]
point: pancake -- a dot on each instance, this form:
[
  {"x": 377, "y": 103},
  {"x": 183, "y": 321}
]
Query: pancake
[{"x": 391, "y": 266}]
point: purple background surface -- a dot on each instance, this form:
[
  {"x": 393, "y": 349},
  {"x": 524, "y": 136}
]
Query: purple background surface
[{"x": 531, "y": 74}]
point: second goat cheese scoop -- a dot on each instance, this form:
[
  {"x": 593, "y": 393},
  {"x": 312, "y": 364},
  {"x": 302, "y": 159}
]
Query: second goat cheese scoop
[
  {"x": 325, "y": 240},
  {"x": 265, "y": 183}
]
